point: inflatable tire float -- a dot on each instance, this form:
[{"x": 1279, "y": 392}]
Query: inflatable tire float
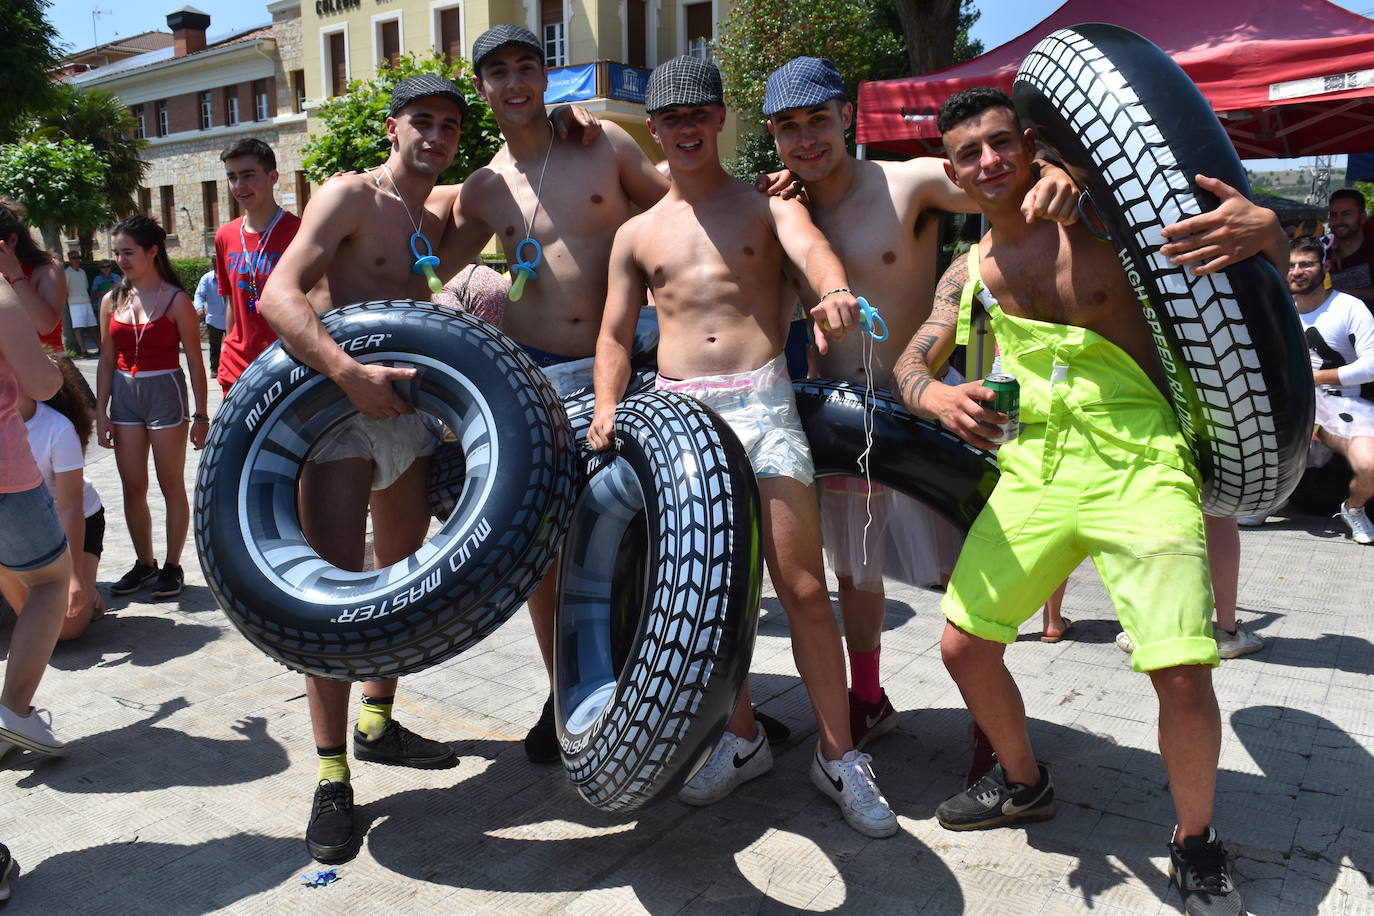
[
  {"x": 917, "y": 457},
  {"x": 1123, "y": 116},
  {"x": 658, "y": 597},
  {"x": 490, "y": 551}
]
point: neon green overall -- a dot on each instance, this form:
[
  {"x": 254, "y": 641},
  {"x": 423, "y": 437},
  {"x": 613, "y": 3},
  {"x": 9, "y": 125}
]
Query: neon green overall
[{"x": 1100, "y": 470}]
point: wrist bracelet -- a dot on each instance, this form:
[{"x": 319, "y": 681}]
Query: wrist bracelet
[
  {"x": 838, "y": 289},
  {"x": 200, "y": 418}
]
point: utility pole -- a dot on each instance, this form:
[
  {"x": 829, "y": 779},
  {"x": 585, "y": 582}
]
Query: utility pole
[{"x": 1320, "y": 170}]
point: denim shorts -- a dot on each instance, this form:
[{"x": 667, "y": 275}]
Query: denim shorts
[{"x": 31, "y": 537}]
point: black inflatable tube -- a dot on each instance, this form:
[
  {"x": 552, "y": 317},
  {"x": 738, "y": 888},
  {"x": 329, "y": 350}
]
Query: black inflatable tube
[
  {"x": 1128, "y": 121},
  {"x": 917, "y": 457},
  {"x": 658, "y": 596},
  {"x": 489, "y": 553}
]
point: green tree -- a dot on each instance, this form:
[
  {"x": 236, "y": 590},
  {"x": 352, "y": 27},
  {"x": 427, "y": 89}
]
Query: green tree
[
  {"x": 30, "y": 51},
  {"x": 937, "y": 33},
  {"x": 60, "y": 183},
  {"x": 354, "y": 124},
  {"x": 1367, "y": 189}
]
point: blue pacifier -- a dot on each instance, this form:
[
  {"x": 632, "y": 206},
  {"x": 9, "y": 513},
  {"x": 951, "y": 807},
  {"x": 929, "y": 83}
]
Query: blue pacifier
[
  {"x": 425, "y": 263},
  {"x": 524, "y": 268}
]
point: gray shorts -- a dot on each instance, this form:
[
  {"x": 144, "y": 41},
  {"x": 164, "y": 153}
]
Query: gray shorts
[
  {"x": 153, "y": 400},
  {"x": 391, "y": 445},
  {"x": 31, "y": 536}
]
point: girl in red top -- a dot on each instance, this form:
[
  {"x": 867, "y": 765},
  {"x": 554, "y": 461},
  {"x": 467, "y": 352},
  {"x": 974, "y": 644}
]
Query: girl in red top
[{"x": 141, "y": 396}]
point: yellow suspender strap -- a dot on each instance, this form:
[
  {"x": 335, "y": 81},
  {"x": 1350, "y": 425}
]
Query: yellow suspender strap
[{"x": 961, "y": 332}]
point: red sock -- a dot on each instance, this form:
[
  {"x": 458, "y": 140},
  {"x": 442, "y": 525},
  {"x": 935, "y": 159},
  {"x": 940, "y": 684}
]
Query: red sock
[{"x": 863, "y": 675}]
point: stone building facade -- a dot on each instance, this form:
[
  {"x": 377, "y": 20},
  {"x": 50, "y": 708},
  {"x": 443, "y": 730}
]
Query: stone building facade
[{"x": 193, "y": 99}]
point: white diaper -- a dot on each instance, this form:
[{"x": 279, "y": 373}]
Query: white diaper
[
  {"x": 391, "y": 445},
  {"x": 762, "y": 410},
  {"x": 904, "y": 540}
]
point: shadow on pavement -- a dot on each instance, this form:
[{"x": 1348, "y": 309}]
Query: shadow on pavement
[
  {"x": 127, "y": 639},
  {"x": 144, "y": 756}
]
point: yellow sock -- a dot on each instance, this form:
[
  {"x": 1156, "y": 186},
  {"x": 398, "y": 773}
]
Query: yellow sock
[
  {"x": 334, "y": 766},
  {"x": 374, "y": 716}
]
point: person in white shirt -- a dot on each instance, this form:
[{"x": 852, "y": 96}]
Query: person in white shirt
[
  {"x": 1339, "y": 330},
  {"x": 84, "y": 325}
]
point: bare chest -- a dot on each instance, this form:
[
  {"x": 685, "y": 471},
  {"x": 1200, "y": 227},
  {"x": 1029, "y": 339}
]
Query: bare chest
[
  {"x": 1082, "y": 286},
  {"x": 735, "y": 248}
]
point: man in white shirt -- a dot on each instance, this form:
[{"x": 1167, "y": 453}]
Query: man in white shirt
[
  {"x": 83, "y": 321},
  {"x": 210, "y": 306},
  {"x": 1340, "y": 336}
]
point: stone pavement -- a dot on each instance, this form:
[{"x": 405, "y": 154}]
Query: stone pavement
[{"x": 190, "y": 769}]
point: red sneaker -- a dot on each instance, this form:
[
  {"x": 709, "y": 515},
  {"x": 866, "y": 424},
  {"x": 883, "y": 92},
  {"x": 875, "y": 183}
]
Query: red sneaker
[{"x": 868, "y": 721}]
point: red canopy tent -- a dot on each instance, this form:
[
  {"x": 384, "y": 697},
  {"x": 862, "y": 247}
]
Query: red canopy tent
[{"x": 1287, "y": 79}]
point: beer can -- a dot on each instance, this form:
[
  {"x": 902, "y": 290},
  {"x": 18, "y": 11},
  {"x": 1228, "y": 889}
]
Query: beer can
[{"x": 1006, "y": 391}]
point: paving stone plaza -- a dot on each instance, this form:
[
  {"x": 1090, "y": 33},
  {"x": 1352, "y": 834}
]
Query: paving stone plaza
[{"x": 190, "y": 768}]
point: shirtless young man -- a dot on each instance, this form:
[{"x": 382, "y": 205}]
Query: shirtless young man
[
  {"x": 351, "y": 246},
  {"x": 1056, "y": 296},
  {"x": 570, "y": 197},
  {"x": 713, "y": 251},
  {"x": 880, "y": 219}
]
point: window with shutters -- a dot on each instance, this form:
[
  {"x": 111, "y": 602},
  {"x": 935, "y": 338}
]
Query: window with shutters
[
  {"x": 388, "y": 41},
  {"x": 448, "y": 31},
  {"x": 636, "y": 33},
  {"x": 337, "y": 62},
  {"x": 207, "y": 111}
]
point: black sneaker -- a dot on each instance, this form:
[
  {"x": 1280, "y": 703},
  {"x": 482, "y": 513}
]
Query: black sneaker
[
  {"x": 993, "y": 802},
  {"x": 399, "y": 746},
  {"x": 331, "y": 835},
  {"x": 134, "y": 579},
  {"x": 541, "y": 744},
  {"x": 1200, "y": 870},
  {"x": 170, "y": 581}
]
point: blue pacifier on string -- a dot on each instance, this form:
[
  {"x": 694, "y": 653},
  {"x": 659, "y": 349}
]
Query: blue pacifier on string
[
  {"x": 425, "y": 263},
  {"x": 872, "y": 322},
  {"x": 524, "y": 268}
]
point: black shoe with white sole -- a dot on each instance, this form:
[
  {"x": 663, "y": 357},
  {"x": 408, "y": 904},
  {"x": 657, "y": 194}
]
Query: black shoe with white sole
[{"x": 993, "y": 802}]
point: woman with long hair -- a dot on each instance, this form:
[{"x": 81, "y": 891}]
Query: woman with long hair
[
  {"x": 37, "y": 279},
  {"x": 59, "y": 429},
  {"x": 141, "y": 396}
]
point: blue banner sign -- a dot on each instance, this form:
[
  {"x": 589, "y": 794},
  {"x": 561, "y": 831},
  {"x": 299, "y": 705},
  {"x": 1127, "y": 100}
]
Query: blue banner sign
[
  {"x": 572, "y": 84},
  {"x": 628, "y": 83}
]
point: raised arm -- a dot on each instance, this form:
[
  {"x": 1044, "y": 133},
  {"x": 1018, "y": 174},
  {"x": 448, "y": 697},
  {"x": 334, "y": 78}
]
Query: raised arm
[
  {"x": 642, "y": 183},
  {"x": 326, "y": 223},
  {"x": 38, "y": 376},
  {"x": 465, "y": 232},
  {"x": 959, "y": 408},
  {"x": 611, "y": 368},
  {"x": 837, "y": 311}
]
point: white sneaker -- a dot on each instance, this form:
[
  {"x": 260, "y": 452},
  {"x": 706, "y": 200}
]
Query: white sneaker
[
  {"x": 1123, "y": 642},
  {"x": 735, "y": 760},
  {"x": 1234, "y": 645},
  {"x": 850, "y": 784},
  {"x": 1361, "y": 528},
  {"x": 30, "y": 732},
  {"x": 1252, "y": 521}
]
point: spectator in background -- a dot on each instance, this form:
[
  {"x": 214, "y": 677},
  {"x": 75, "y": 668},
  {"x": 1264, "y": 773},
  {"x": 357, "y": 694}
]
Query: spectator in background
[
  {"x": 1340, "y": 337},
  {"x": 59, "y": 429},
  {"x": 79, "y": 307},
  {"x": 1350, "y": 256},
  {"x": 141, "y": 397},
  {"x": 104, "y": 281},
  {"x": 210, "y": 306}
]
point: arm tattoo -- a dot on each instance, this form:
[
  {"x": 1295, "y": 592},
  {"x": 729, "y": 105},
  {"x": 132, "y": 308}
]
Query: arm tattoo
[{"x": 912, "y": 372}]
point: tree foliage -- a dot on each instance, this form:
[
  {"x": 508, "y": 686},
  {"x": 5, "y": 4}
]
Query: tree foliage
[
  {"x": 60, "y": 183},
  {"x": 29, "y": 43},
  {"x": 761, "y": 35},
  {"x": 354, "y": 124},
  {"x": 98, "y": 118}
]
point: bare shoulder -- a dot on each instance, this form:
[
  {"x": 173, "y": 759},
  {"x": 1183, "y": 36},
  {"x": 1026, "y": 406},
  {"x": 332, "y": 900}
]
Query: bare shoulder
[{"x": 444, "y": 195}]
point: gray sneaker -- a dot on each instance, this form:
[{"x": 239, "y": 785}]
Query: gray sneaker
[
  {"x": 1234, "y": 645},
  {"x": 30, "y": 732},
  {"x": 1361, "y": 528}
]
